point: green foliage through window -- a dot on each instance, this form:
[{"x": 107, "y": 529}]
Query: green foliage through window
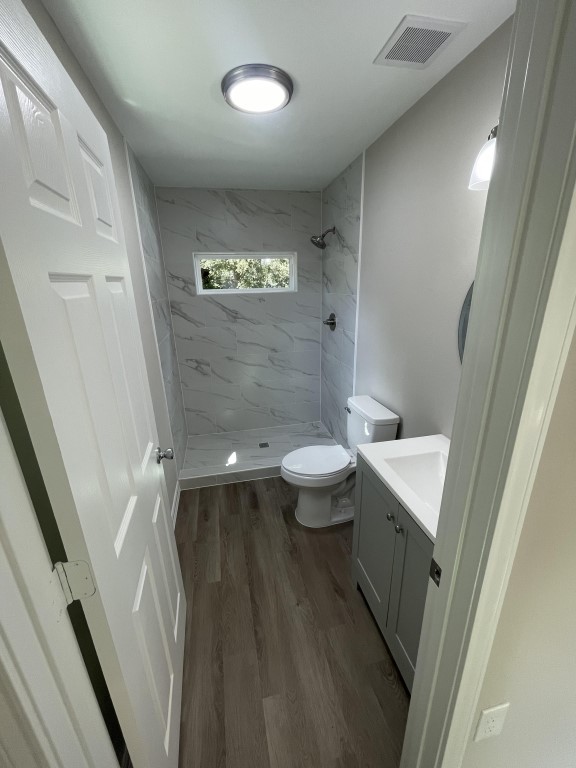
[{"x": 247, "y": 273}]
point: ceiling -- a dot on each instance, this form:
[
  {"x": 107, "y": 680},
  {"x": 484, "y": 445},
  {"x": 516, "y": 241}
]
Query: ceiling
[{"x": 157, "y": 64}]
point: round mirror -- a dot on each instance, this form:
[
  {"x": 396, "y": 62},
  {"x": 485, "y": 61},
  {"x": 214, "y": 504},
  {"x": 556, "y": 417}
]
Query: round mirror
[{"x": 463, "y": 322}]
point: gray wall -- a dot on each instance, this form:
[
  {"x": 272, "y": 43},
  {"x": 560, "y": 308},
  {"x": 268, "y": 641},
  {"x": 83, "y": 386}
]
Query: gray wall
[
  {"x": 245, "y": 361},
  {"x": 532, "y": 663},
  {"x": 341, "y": 207},
  {"x": 420, "y": 238},
  {"x": 147, "y": 214}
]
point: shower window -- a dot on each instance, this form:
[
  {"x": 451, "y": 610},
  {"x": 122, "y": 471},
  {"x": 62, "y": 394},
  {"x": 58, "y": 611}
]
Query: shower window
[{"x": 245, "y": 272}]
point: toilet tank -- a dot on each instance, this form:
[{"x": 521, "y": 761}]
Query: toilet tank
[{"x": 369, "y": 422}]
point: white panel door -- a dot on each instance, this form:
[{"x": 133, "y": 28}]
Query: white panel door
[
  {"x": 49, "y": 717},
  {"x": 69, "y": 329}
]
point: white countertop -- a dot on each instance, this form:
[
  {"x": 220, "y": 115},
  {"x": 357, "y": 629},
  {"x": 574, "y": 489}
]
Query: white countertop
[{"x": 413, "y": 470}]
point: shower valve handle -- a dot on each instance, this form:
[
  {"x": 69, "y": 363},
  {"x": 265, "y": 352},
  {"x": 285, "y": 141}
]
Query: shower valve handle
[{"x": 331, "y": 322}]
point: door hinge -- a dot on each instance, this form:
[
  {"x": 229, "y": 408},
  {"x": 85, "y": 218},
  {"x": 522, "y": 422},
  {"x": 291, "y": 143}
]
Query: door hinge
[
  {"x": 76, "y": 580},
  {"x": 435, "y": 572}
]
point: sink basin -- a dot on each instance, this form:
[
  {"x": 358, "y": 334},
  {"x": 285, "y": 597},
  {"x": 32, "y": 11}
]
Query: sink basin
[
  {"x": 414, "y": 471},
  {"x": 424, "y": 473}
]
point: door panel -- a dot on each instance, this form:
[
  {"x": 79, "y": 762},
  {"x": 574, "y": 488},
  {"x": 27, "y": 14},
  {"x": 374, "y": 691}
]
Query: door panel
[
  {"x": 374, "y": 540},
  {"x": 412, "y": 558},
  {"x": 68, "y": 325},
  {"x": 39, "y": 144}
]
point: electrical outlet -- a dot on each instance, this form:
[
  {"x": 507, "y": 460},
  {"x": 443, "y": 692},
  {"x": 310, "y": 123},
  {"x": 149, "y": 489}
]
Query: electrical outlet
[{"x": 491, "y": 722}]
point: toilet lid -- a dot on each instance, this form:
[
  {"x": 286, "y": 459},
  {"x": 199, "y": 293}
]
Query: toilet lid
[{"x": 317, "y": 460}]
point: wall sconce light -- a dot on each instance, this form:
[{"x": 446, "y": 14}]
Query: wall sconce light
[{"x": 482, "y": 171}]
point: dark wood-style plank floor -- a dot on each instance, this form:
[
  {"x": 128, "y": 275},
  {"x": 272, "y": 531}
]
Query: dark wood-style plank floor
[{"x": 284, "y": 666}]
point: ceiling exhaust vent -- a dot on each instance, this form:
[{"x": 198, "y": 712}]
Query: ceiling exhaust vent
[{"x": 417, "y": 41}]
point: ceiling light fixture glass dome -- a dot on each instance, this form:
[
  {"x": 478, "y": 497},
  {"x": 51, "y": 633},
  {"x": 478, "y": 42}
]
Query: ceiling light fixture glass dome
[
  {"x": 257, "y": 88},
  {"x": 482, "y": 171}
]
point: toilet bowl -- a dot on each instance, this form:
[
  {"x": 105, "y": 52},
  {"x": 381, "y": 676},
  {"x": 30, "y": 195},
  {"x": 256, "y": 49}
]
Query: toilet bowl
[{"x": 326, "y": 474}]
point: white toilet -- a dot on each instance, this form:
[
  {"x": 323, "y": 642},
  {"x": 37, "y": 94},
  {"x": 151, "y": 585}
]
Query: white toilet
[{"x": 326, "y": 474}]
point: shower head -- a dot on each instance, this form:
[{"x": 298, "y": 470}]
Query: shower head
[{"x": 318, "y": 240}]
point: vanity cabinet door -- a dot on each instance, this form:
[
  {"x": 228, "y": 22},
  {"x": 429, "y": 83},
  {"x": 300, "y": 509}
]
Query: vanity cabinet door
[
  {"x": 374, "y": 540},
  {"x": 412, "y": 556}
]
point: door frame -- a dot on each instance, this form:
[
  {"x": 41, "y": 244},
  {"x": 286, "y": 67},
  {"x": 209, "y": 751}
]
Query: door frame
[
  {"x": 516, "y": 351},
  {"x": 48, "y": 692},
  {"x": 521, "y": 325}
]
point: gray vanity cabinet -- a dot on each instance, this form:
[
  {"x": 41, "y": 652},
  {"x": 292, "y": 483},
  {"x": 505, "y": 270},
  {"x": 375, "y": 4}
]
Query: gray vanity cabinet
[
  {"x": 412, "y": 556},
  {"x": 391, "y": 558},
  {"x": 374, "y": 540}
]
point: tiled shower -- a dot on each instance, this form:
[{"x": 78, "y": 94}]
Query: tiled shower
[{"x": 249, "y": 378}]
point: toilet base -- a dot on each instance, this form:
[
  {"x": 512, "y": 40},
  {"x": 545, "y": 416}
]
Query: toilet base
[
  {"x": 343, "y": 517},
  {"x": 318, "y": 508}
]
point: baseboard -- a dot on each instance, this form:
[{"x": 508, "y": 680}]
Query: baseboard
[{"x": 175, "y": 503}]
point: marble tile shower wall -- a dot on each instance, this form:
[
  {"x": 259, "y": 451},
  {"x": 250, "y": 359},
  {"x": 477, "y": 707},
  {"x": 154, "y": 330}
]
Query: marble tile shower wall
[
  {"x": 341, "y": 207},
  {"x": 154, "y": 264},
  {"x": 246, "y": 361}
]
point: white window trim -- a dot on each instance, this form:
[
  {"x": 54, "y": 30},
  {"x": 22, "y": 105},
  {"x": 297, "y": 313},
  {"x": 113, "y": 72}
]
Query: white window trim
[{"x": 292, "y": 257}]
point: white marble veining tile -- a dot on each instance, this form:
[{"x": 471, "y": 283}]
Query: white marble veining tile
[
  {"x": 296, "y": 364},
  {"x": 200, "y": 422},
  {"x": 340, "y": 274},
  {"x": 209, "y": 458},
  {"x": 307, "y": 336},
  {"x": 162, "y": 321},
  {"x": 305, "y": 211},
  {"x": 205, "y": 343},
  {"x": 196, "y": 373},
  {"x": 232, "y": 420},
  {"x": 347, "y": 349},
  {"x": 154, "y": 264},
  {"x": 237, "y": 454},
  {"x": 276, "y": 337},
  {"x": 247, "y": 206},
  {"x": 168, "y": 358},
  {"x": 204, "y": 202},
  {"x": 227, "y": 239},
  {"x": 174, "y": 220},
  {"x": 347, "y": 312},
  {"x": 190, "y": 312},
  {"x": 292, "y": 307},
  {"x": 290, "y": 413},
  {"x": 258, "y": 394},
  {"x": 155, "y": 275},
  {"x": 218, "y": 397},
  {"x": 149, "y": 232},
  {"x": 234, "y": 309},
  {"x": 242, "y": 371},
  {"x": 331, "y": 341},
  {"x": 255, "y": 339},
  {"x": 305, "y": 389},
  {"x": 311, "y": 434}
]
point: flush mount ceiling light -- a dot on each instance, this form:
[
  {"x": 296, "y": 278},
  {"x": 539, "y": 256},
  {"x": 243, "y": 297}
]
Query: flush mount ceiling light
[
  {"x": 257, "y": 88},
  {"x": 482, "y": 171}
]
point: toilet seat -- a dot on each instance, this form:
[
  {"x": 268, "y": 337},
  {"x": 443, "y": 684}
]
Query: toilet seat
[
  {"x": 317, "y": 460},
  {"x": 317, "y": 466}
]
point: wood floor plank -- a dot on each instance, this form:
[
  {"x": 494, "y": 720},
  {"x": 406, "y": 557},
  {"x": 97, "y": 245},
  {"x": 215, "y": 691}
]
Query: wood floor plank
[
  {"x": 284, "y": 665},
  {"x": 291, "y": 742},
  {"x": 206, "y": 550},
  {"x": 202, "y": 734},
  {"x": 246, "y": 743},
  {"x": 369, "y": 735}
]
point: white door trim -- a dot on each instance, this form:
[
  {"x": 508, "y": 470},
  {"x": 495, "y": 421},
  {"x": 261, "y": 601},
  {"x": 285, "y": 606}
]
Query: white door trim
[
  {"x": 521, "y": 323},
  {"x": 49, "y": 713}
]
